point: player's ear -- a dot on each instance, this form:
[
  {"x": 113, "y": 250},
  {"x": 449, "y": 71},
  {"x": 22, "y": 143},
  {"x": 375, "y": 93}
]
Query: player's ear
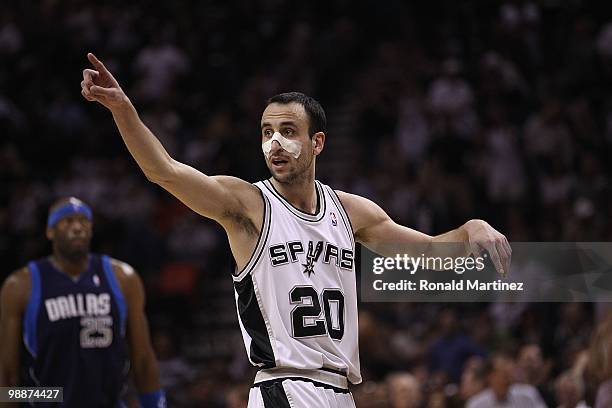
[
  {"x": 50, "y": 234},
  {"x": 318, "y": 141}
]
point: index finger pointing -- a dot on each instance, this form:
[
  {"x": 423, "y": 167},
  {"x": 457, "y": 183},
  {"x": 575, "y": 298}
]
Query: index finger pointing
[{"x": 96, "y": 62}]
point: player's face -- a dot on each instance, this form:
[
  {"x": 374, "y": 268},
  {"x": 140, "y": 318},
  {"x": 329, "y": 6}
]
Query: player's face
[
  {"x": 291, "y": 121},
  {"x": 71, "y": 236}
]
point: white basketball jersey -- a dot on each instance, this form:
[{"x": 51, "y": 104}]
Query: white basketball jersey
[{"x": 296, "y": 297}]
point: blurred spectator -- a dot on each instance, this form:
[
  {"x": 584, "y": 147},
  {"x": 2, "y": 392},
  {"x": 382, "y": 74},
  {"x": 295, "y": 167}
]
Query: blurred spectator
[
  {"x": 452, "y": 348},
  {"x": 437, "y": 399},
  {"x": 534, "y": 370},
  {"x": 451, "y": 100},
  {"x": 473, "y": 379},
  {"x": 547, "y": 137},
  {"x": 600, "y": 362},
  {"x": 175, "y": 372},
  {"x": 569, "y": 390},
  {"x": 404, "y": 390},
  {"x": 504, "y": 166},
  {"x": 502, "y": 391},
  {"x": 158, "y": 66}
]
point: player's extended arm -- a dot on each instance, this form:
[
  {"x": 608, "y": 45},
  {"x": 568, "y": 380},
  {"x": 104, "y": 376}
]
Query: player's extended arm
[
  {"x": 13, "y": 298},
  {"x": 378, "y": 232},
  {"x": 221, "y": 198},
  {"x": 142, "y": 356}
]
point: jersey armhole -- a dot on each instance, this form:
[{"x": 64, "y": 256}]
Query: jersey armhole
[
  {"x": 117, "y": 295},
  {"x": 343, "y": 213},
  {"x": 30, "y": 317},
  {"x": 261, "y": 240}
]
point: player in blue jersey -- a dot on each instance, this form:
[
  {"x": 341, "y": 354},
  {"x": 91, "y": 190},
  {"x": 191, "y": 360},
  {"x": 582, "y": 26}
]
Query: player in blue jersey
[{"x": 72, "y": 320}]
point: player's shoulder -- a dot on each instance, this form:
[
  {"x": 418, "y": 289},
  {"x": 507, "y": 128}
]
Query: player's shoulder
[
  {"x": 344, "y": 196},
  {"x": 18, "y": 278},
  {"x": 350, "y": 199},
  {"x": 361, "y": 211},
  {"x": 127, "y": 277},
  {"x": 124, "y": 272},
  {"x": 122, "y": 268},
  {"x": 17, "y": 286},
  {"x": 356, "y": 205}
]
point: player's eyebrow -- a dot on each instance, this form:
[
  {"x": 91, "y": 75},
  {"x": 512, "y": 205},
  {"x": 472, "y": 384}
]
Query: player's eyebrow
[{"x": 285, "y": 123}]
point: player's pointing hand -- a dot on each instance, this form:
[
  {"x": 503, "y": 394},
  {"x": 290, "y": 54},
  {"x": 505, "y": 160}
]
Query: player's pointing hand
[
  {"x": 482, "y": 236},
  {"x": 99, "y": 85}
]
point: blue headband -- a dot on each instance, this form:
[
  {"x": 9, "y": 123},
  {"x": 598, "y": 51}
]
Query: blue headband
[{"x": 70, "y": 208}]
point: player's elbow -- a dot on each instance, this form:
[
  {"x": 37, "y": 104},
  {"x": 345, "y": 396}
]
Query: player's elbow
[{"x": 163, "y": 174}]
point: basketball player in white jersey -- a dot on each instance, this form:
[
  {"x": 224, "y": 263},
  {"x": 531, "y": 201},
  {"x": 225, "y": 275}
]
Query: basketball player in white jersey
[{"x": 293, "y": 240}]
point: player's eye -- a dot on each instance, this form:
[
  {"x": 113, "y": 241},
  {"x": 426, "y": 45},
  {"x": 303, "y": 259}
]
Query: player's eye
[
  {"x": 267, "y": 133},
  {"x": 288, "y": 132}
]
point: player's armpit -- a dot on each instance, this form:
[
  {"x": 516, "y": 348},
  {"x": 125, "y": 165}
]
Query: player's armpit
[
  {"x": 142, "y": 356},
  {"x": 221, "y": 198},
  {"x": 376, "y": 230},
  {"x": 13, "y": 299}
]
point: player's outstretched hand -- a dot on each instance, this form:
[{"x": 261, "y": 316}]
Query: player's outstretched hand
[
  {"x": 482, "y": 236},
  {"x": 99, "y": 85}
]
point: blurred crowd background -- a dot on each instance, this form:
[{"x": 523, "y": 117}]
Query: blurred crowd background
[{"x": 440, "y": 111}]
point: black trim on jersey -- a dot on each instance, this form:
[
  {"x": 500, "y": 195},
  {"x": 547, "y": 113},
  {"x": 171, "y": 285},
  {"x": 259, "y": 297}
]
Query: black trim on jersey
[
  {"x": 268, "y": 383},
  {"x": 259, "y": 247},
  {"x": 343, "y": 213},
  {"x": 321, "y": 203},
  {"x": 334, "y": 370},
  {"x": 253, "y": 322},
  {"x": 274, "y": 396}
]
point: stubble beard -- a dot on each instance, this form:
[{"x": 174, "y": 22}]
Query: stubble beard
[
  {"x": 297, "y": 176},
  {"x": 72, "y": 253}
]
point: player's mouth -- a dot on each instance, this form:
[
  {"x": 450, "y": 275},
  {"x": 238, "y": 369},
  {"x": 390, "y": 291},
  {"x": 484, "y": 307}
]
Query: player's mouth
[{"x": 278, "y": 162}]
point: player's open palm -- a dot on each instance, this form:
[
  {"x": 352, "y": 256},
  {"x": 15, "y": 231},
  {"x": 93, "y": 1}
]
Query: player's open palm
[{"x": 99, "y": 85}]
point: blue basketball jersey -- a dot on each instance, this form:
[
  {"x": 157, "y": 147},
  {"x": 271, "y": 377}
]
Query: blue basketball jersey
[{"x": 74, "y": 333}]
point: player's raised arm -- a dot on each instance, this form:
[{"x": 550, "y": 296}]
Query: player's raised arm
[
  {"x": 378, "y": 232},
  {"x": 13, "y": 298},
  {"x": 221, "y": 198}
]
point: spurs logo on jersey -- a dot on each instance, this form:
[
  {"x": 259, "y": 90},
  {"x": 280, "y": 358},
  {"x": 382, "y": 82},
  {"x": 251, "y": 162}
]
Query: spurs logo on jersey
[
  {"x": 282, "y": 254},
  {"x": 296, "y": 297}
]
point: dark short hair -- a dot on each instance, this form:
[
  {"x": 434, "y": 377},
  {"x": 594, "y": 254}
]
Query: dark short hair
[
  {"x": 480, "y": 372},
  {"x": 489, "y": 366},
  {"x": 314, "y": 110}
]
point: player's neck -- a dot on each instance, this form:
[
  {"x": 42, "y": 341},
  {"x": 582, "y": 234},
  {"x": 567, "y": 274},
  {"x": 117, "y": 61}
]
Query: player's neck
[
  {"x": 73, "y": 267},
  {"x": 301, "y": 194}
]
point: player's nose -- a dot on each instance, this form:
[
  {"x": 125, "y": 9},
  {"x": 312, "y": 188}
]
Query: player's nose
[
  {"x": 276, "y": 147},
  {"x": 77, "y": 227}
]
